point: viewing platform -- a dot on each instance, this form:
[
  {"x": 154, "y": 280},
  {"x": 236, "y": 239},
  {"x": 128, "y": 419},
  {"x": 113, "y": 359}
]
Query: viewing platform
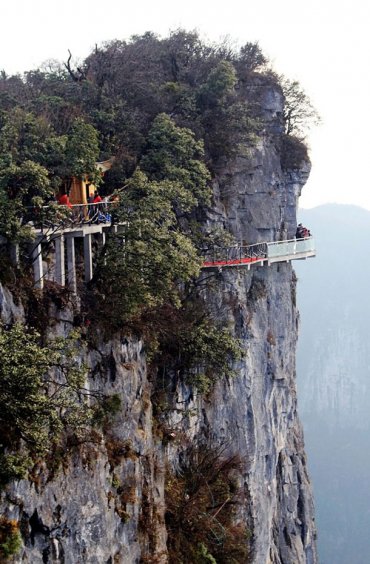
[
  {"x": 93, "y": 222},
  {"x": 261, "y": 253},
  {"x": 80, "y": 221}
]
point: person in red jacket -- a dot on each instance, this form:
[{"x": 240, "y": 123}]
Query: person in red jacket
[
  {"x": 97, "y": 199},
  {"x": 64, "y": 201}
]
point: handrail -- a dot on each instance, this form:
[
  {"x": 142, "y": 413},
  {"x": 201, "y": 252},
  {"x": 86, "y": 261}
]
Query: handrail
[
  {"x": 79, "y": 215},
  {"x": 290, "y": 247},
  {"x": 73, "y": 215},
  {"x": 267, "y": 251},
  {"x": 272, "y": 243},
  {"x": 235, "y": 253}
]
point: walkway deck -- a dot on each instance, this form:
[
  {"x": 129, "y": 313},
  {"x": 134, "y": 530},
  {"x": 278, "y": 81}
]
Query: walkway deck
[
  {"x": 261, "y": 253},
  {"x": 87, "y": 222}
]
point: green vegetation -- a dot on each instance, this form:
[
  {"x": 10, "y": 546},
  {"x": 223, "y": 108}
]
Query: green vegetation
[
  {"x": 142, "y": 267},
  {"x": 56, "y": 121},
  {"x": 187, "y": 342},
  {"x": 41, "y": 398},
  {"x": 144, "y": 276},
  {"x": 26, "y": 412},
  {"x": 10, "y": 538},
  {"x": 173, "y": 154},
  {"x": 64, "y": 119},
  {"x": 202, "y": 501},
  {"x": 293, "y": 152},
  {"x": 34, "y": 161},
  {"x": 169, "y": 111}
]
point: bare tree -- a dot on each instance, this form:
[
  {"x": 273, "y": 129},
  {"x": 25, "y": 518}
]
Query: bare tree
[
  {"x": 77, "y": 75},
  {"x": 299, "y": 113}
]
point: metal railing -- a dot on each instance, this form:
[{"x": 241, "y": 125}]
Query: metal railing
[
  {"x": 238, "y": 254},
  {"x": 290, "y": 247},
  {"x": 69, "y": 217},
  {"x": 260, "y": 252}
]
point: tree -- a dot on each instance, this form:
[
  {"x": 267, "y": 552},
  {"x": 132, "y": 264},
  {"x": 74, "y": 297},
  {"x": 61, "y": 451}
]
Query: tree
[
  {"x": 250, "y": 59},
  {"x": 23, "y": 136},
  {"x": 143, "y": 266},
  {"x": 42, "y": 398},
  {"x": 40, "y": 388},
  {"x": 22, "y": 187},
  {"x": 219, "y": 85},
  {"x": 227, "y": 124},
  {"x": 34, "y": 161},
  {"x": 82, "y": 151},
  {"x": 174, "y": 154},
  {"x": 27, "y": 137},
  {"x": 202, "y": 498},
  {"x": 299, "y": 113}
]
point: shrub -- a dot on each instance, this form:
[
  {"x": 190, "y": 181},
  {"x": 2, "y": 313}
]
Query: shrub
[
  {"x": 107, "y": 409},
  {"x": 13, "y": 467},
  {"x": 202, "y": 500},
  {"x": 187, "y": 342},
  {"x": 42, "y": 398},
  {"x": 10, "y": 538},
  {"x": 27, "y": 412},
  {"x": 293, "y": 153}
]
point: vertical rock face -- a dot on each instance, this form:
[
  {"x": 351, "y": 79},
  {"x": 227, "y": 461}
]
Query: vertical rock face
[
  {"x": 257, "y": 411},
  {"x": 105, "y": 502},
  {"x": 256, "y": 414}
]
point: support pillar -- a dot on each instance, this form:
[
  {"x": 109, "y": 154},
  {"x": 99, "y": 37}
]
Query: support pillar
[
  {"x": 14, "y": 254},
  {"x": 38, "y": 274},
  {"x": 88, "y": 257},
  {"x": 60, "y": 276},
  {"x": 71, "y": 264},
  {"x": 103, "y": 240}
]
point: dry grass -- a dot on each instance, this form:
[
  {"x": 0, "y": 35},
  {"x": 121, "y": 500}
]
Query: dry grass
[{"x": 202, "y": 501}]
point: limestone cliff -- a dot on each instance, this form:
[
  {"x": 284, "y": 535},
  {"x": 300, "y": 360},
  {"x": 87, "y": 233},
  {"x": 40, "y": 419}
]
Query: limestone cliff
[{"x": 105, "y": 502}]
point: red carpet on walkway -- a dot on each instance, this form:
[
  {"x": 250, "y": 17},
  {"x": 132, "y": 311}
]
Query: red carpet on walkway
[{"x": 210, "y": 264}]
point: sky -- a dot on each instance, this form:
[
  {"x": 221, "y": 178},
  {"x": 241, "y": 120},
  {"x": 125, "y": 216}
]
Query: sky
[{"x": 322, "y": 43}]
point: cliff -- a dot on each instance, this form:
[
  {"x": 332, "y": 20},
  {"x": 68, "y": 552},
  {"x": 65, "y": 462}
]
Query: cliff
[{"x": 104, "y": 500}]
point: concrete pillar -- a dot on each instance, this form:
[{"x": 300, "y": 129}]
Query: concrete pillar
[
  {"x": 38, "y": 274},
  {"x": 60, "y": 277},
  {"x": 71, "y": 264},
  {"x": 88, "y": 257}
]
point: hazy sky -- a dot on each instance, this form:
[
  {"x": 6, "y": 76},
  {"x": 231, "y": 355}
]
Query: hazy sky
[{"x": 323, "y": 44}]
